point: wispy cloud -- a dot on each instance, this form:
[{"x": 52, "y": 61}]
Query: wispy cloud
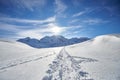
[
  {"x": 85, "y": 11},
  {"x": 79, "y": 14},
  {"x": 24, "y": 4},
  {"x": 29, "y": 31},
  {"x": 9, "y": 27},
  {"x": 39, "y": 32},
  {"x": 74, "y": 21},
  {"x": 31, "y": 4},
  {"x": 16, "y": 31},
  {"x": 88, "y": 21},
  {"x": 48, "y": 20},
  {"x": 95, "y": 21},
  {"x": 60, "y": 7}
]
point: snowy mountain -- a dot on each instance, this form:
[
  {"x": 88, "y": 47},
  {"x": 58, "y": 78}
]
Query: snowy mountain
[
  {"x": 52, "y": 41},
  {"x": 96, "y": 59}
]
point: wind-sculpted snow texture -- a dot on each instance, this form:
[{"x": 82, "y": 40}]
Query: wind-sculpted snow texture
[{"x": 65, "y": 67}]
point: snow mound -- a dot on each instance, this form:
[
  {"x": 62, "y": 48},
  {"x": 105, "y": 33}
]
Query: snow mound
[
  {"x": 106, "y": 49},
  {"x": 8, "y": 43},
  {"x": 107, "y": 38},
  {"x": 12, "y": 50}
]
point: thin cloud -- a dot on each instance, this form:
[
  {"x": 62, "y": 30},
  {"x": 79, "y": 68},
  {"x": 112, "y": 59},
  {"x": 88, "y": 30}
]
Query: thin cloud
[
  {"x": 79, "y": 14},
  {"x": 31, "y": 4},
  {"x": 48, "y": 20},
  {"x": 34, "y": 31},
  {"x": 74, "y": 21},
  {"x": 87, "y": 10},
  {"x": 19, "y": 31},
  {"x": 60, "y": 7},
  {"x": 39, "y": 32},
  {"x": 9, "y": 27},
  {"x": 94, "y": 21},
  {"x": 24, "y": 4}
]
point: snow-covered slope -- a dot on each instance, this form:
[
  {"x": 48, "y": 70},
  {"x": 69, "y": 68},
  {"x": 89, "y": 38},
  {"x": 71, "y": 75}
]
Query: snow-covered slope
[
  {"x": 96, "y": 59},
  {"x": 21, "y": 62},
  {"x": 105, "y": 49},
  {"x": 11, "y": 49}
]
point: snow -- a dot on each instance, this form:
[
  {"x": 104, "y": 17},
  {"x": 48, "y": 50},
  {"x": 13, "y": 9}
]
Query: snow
[
  {"x": 96, "y": 59},
  {"x": 105, "y": 49},
  {"x": 66, "y": 67},
  {"x": 21, "y": 62}
]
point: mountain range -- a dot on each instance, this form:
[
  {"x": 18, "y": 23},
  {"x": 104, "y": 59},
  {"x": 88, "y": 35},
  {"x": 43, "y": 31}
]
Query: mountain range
[{"x": 51, "y": 41}]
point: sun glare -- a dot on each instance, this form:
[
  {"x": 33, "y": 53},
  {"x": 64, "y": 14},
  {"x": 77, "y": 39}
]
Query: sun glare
[{"x": 56, "y": 30}]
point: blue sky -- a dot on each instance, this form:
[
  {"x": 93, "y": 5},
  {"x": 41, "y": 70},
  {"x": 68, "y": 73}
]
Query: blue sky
[{"x": 70, "y": 18}]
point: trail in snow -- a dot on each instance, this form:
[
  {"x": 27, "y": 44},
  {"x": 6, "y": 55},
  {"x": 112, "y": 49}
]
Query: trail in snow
[
  {"x": 8, "y": 64},
  {"x": 66, "y": 67},
  {"x": 83, "y": 59}
]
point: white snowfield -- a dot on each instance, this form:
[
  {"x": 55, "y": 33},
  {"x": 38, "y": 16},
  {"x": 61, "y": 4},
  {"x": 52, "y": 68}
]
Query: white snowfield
[
  {"x": 21, "y": 62},
  {"x": 106, "y": 49},
  {"x": 97, "y": 59}
]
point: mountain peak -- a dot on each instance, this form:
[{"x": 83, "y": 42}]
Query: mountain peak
[
  {"x": 56, "y": 36},
  {"x": 51, "y": 41}
]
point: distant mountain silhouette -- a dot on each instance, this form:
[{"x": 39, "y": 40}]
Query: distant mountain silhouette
[{"x": 52, "y": 41}]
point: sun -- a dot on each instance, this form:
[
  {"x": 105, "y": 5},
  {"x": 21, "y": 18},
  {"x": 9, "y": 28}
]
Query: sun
[{"x": 56, "y": 30}]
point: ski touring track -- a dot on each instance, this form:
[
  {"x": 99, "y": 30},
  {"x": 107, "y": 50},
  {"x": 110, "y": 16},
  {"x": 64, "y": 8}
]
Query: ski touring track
[
  {"x": 11, "y": 63},
  {"x": 67, "y": 67},
  {"x": 63, "y": 55}
]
